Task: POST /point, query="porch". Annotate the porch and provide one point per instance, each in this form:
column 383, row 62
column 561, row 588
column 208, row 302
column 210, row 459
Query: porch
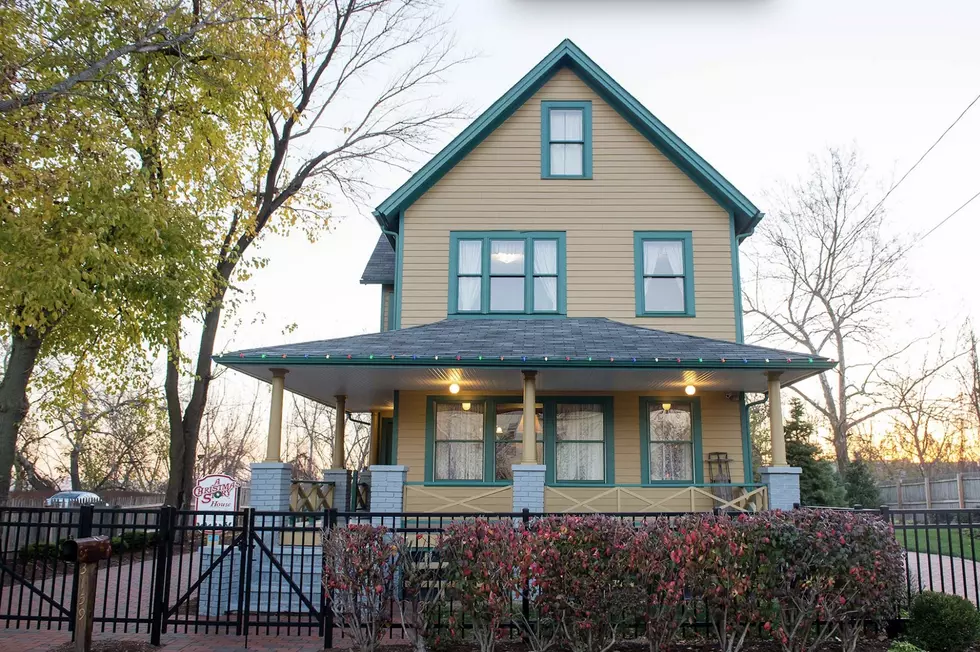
column 562, row 415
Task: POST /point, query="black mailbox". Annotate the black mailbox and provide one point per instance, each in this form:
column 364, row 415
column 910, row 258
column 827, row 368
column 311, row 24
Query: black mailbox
column 87, row 550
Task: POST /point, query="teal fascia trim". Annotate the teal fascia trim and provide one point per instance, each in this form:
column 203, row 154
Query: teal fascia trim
column 568, row 54
column 743, row 411
column 396, row 302
column 521, row 362
column 394, row 429
column 639, row 237
column 485, row 236
column 736, row 282
column 586, row 108
column 698, row 461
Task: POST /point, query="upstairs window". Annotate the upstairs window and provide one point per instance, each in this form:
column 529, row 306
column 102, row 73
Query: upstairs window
column 664, row 267
column 566, row 140
column 507, row 273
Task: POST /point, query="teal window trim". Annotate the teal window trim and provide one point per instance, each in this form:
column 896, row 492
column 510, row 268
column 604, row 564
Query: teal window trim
column 528, row 237
column 686, row 239
column 396, row 307
column 551, row 443
column 646, row 402
column 736, row 281
column 586, row 107
column 746, row 439
column 549, row 404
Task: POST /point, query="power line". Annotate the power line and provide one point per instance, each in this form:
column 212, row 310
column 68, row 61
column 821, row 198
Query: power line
column 947, row 218
column 921, row 158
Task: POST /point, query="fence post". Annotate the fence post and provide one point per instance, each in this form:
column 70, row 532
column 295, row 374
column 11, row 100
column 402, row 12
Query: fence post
column 928, row 488
column 899, row 488
column 961, row 490
column 161, row 562
column 329, row 522
column 86, row 515
column 245, row 573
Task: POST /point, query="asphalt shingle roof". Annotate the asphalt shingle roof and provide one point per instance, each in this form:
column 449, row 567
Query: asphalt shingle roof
column 574, row 338
column 380, row 267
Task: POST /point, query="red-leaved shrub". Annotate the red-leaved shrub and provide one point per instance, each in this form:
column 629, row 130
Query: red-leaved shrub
column 360, row 564
column 660, row 557
column 582, row 576
column 480, row 567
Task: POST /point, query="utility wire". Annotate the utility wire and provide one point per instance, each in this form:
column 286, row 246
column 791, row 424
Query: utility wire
column 947, row 218
column 921, row 158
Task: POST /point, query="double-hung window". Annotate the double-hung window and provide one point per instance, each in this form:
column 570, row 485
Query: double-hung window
column 566, row 140
column 479, row 439
column 671, row 437
column 507, row 273
column 664, row 273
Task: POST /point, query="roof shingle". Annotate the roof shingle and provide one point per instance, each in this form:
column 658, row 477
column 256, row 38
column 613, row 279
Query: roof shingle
column 380, row 268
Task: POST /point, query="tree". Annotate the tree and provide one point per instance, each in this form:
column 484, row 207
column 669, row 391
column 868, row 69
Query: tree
column 107, row 194
column 44, row 63
column 340, row 51
column 310, row 440
column 231, row 436
column 819, row 483
column 825, row 271
column 862, row 488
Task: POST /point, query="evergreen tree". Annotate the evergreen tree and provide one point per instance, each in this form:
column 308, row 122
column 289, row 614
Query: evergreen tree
column 862, row 489
column 819, row 482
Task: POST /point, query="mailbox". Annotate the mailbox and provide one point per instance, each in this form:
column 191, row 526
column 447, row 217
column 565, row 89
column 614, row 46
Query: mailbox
column 87, row 550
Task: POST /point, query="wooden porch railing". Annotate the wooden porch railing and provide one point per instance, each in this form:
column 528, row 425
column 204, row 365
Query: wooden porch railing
column 477, row 500
column 693, row 498
column 310, row 496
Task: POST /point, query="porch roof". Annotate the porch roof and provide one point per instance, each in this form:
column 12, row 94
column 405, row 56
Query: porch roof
column 483, row 354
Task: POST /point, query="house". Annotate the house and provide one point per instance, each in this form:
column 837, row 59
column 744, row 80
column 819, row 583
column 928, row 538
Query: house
column 561, row 321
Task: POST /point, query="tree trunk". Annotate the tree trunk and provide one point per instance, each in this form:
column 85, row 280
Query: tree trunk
column 24, row 349
column 29, row 473
column 185, row 431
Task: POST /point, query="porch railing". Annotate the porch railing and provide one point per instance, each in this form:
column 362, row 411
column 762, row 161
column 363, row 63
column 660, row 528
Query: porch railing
column 626, row 498
column 311, row 496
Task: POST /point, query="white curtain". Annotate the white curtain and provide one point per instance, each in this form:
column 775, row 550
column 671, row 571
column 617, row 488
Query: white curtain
column 545, row 257
column 468, row 288
column 468, row 293
column 470, row 256
column 671, row 443
column 459, row 441
column 546, row 293
column 663, row 258
column 506, row 256
column 579, row 446
column 566, row 159
column 566, row 124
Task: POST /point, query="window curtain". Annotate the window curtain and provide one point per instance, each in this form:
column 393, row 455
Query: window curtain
column 469, row 287
column 459, row 441
column 671, row 443
column 579, row 446
column 663, row 258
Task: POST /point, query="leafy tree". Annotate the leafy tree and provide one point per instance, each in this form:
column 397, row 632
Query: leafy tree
column 819, row 482
column 862, row 488
column 363, row 87
column 109, row 191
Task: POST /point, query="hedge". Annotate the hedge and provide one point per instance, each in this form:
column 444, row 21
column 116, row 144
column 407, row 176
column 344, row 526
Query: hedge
column 802, row 578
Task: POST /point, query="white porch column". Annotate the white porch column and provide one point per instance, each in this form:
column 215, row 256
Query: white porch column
column 338, row 438
column 776, row 422
column 783, row 480
column 529, row 441
column 273, row 443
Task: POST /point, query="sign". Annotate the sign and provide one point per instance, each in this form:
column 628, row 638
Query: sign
column 215, row 493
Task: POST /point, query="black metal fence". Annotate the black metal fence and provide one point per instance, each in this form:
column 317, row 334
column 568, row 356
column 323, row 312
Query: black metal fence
column 249, row 572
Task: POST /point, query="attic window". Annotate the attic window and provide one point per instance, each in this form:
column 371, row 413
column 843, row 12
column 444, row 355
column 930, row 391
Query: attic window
column 566, row 140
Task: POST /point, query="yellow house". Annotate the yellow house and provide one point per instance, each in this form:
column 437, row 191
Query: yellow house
column 561, row 320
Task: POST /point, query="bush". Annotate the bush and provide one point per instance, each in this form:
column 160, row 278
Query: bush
column 481, row 573
column 660, row 557
column 943, row 623
column 359, row 567
column 581, row 573
column 903, row 646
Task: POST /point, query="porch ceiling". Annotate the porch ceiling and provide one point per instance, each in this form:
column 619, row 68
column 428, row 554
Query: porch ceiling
column 372, row 388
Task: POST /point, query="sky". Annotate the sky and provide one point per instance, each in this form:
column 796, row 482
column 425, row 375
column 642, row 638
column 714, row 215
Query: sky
column 754, row 86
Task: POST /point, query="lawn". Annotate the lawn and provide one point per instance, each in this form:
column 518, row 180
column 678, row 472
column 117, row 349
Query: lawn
column 941, row 539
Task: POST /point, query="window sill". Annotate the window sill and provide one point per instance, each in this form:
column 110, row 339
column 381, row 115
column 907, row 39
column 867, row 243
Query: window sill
column 665, row 314
column 567, row 177
column 460, row 483
column 506, row 315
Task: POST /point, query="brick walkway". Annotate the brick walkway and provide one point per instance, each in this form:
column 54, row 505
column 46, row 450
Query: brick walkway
column 18, row 640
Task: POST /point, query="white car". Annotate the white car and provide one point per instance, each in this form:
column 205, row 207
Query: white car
column 73, row 499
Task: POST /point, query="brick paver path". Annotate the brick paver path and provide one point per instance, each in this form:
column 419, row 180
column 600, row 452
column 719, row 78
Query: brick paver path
column 943, row 574
column 12, row 640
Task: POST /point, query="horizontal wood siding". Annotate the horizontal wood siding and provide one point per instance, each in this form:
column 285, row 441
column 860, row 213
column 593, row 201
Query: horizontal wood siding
column 720, row 432
column 498, row 186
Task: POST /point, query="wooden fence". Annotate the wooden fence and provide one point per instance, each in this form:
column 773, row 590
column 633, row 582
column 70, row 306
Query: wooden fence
column 960, row 492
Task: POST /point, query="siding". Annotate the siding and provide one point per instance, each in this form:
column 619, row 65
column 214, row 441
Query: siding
column 498, row 186
column 386, row 294
column 720, row 432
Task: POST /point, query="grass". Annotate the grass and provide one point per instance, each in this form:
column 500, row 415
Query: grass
column 941, row 539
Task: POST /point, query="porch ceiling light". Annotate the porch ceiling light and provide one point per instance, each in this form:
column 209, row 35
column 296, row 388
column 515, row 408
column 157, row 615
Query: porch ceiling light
column 689, row 390
column 454, row 389
column 666, row 407
column 466, row 407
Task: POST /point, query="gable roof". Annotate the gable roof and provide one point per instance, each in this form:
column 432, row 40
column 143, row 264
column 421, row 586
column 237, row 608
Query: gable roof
column 380, row 268
column 567, row 54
